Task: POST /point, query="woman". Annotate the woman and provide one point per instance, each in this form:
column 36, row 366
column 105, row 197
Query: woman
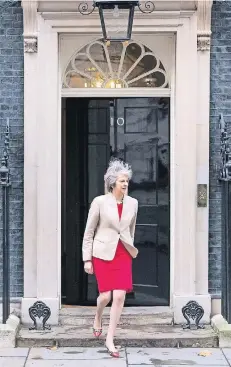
column 108, row 246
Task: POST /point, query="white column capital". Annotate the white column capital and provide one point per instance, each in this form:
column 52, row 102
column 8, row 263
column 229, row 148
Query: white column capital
column 204, row 10
column 30, row 25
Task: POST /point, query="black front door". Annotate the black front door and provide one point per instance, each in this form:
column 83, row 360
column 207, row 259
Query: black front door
column 136, row 130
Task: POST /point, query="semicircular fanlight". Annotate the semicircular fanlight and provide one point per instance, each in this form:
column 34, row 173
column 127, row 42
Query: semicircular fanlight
column 116, row 65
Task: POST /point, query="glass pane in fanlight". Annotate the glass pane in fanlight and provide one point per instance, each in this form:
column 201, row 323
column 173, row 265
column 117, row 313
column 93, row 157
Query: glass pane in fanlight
column 115, row 50
column 116, row 23
column 82, row 63
column 114, row 83
column 74, row 80
column 153, row 80
column 97, row 53
column 146, row 64
column 132, row 53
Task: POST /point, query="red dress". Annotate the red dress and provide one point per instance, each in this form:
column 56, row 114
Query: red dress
column 116, row 273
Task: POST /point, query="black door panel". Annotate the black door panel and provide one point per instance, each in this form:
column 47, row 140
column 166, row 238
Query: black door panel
column 136, row 130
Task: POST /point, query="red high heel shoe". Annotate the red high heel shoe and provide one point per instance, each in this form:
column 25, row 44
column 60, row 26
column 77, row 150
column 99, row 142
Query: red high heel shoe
column 97, row 332
column 113, row 354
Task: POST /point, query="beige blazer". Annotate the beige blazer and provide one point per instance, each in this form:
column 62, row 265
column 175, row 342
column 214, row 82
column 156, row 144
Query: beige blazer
column 104, row 229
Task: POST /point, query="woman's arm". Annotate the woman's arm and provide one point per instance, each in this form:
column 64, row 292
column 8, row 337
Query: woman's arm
column 92, row 222
column 133, row 222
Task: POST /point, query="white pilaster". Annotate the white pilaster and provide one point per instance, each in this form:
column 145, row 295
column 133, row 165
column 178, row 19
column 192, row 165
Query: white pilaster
column 185, row 158
column 203, row 92
column 43, row 139
column 185, row 166
column 192, row 248
column 48, row 164
column 30, row 155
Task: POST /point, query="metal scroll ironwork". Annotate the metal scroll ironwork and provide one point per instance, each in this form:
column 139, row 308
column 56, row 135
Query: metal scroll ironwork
column 147, row 7
column 225, row 179
column 5, row 183
column 83, row 8
column 225, row 168
column 193, row 313
column 40, row 310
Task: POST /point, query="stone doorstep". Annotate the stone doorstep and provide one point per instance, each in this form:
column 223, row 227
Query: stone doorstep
column 9, row 331
column 223, row 330
column 130, row 316
column 125, row 320
column 135, row 311
column 132, row 336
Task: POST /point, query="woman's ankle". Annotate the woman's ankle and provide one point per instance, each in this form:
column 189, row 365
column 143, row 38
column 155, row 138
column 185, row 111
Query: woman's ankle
column 109, row 342
column 98, row 320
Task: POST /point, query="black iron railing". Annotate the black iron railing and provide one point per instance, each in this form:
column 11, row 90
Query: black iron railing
column 225, row 178
column 5, row 185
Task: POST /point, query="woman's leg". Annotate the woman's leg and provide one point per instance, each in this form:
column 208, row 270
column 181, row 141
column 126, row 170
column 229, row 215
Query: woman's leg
column 102, row 301
column 116, row 310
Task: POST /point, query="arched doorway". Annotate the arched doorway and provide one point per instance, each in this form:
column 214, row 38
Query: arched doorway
column 135, row 129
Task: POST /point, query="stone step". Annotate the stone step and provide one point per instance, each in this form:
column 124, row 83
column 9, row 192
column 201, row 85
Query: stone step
column 77, row 316
column 133, row 335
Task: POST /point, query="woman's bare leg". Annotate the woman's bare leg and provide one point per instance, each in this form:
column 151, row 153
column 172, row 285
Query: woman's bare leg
column 102, row 301
column 116, row 310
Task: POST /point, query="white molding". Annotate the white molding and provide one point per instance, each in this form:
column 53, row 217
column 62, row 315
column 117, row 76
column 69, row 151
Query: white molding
column 30, row 25
column 94, row 17
column 204, row 9
column 87, row 25
column 126, row 92
column 160, row 5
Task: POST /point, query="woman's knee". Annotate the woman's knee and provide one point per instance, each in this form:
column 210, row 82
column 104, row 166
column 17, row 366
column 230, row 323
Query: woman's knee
column 119, row 296
column 105, row 297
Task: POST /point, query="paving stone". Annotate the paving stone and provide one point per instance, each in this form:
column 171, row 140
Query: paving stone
column 227, row 353
column 71, row 353
column 14, row 352
column 12, row 361
column 174, row 357
column 72, row 363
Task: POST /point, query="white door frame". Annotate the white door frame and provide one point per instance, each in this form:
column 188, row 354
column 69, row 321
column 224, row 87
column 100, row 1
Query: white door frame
column 137, row 93
column 42, row 181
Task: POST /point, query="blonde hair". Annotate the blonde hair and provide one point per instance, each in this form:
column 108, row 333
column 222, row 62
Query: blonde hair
column 116, row 167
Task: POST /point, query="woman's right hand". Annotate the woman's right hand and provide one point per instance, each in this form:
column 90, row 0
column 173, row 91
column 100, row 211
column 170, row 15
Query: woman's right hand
column 88, row 267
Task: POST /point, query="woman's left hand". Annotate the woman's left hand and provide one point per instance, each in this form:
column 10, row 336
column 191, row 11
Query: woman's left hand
column 88, row 267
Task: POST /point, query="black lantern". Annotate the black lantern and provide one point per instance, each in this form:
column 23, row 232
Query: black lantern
column 122, row 12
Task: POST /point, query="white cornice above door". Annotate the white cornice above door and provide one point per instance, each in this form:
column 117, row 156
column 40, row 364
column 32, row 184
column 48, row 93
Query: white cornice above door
column 71, row 6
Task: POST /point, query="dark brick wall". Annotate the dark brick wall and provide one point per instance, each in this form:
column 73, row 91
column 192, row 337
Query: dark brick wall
column 11, row 105
column 220, row 103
